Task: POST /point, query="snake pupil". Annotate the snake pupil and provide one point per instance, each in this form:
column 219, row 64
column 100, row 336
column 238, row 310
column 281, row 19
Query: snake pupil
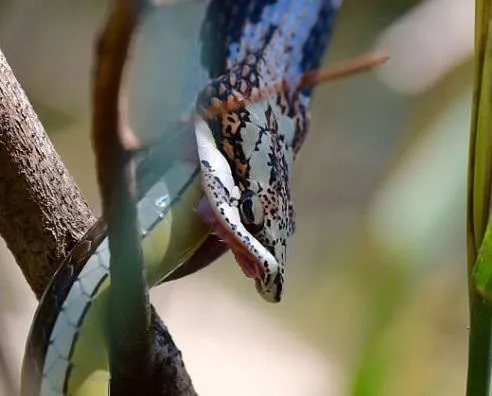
column 251, row 212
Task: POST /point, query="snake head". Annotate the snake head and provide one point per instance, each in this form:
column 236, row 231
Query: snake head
column 246, row 159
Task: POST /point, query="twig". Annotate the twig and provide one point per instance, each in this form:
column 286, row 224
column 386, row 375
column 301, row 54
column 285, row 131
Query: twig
column 131, row 341
column 347, row 68
column 143, row 357
column 363, row 63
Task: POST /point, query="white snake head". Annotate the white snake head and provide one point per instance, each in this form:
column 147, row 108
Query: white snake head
column 246, row 159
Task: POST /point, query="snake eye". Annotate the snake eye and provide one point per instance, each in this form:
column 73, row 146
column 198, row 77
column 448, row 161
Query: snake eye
column 251, row 211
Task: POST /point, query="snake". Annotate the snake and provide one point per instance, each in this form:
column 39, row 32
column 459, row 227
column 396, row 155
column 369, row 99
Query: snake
column 219, row 182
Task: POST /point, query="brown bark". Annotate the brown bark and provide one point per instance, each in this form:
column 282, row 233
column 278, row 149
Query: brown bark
column 43, row 215
column 42, row 211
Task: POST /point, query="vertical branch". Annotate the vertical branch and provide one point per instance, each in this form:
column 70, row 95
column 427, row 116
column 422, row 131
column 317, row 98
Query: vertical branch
column 143, row 356
column 131, row 343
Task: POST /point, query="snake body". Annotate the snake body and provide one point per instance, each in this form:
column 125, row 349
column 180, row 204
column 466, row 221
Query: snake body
column 247, row 155
column 235, row 194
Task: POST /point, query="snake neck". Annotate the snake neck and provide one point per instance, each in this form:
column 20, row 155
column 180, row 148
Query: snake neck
column 257, row 140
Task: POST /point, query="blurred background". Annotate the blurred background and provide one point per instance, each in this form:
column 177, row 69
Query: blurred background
column 376, row 299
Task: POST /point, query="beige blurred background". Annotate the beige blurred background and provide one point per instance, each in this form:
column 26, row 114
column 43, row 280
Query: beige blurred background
column 375, row 301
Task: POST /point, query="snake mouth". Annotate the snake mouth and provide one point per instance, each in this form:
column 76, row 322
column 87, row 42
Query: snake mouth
column 219, row 209
column 255, row 263
column 247, row 261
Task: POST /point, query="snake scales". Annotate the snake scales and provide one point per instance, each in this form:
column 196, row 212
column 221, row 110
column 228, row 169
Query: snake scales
column 235, row 195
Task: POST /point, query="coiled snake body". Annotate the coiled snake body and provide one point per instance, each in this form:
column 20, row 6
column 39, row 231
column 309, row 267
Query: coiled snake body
column 236, row 194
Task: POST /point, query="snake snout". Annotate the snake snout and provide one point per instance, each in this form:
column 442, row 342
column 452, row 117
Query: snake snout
column 271, row 290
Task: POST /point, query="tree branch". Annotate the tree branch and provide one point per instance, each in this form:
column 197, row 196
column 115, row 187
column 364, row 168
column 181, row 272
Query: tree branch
column 130, row 334
column 43, row 215
column 42, row 211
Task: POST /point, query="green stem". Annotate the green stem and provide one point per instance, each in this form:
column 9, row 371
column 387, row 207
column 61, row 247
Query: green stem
column 479, row 351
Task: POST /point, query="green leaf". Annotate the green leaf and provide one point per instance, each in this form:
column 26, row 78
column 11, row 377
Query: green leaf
column 483, row 267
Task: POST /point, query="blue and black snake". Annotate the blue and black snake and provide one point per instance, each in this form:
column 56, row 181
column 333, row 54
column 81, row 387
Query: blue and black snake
column 233, row 192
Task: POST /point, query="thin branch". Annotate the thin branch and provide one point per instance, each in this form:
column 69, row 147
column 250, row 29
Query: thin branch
column 347, row 68
column 131, row 341
column 139, row 350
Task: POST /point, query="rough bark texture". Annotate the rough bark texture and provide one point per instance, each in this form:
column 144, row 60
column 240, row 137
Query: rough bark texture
column 43, row 215
column 42, row 212
column 169, row 376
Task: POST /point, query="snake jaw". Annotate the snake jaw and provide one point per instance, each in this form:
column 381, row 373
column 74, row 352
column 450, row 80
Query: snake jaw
column 248, row 264
column 220, row 211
